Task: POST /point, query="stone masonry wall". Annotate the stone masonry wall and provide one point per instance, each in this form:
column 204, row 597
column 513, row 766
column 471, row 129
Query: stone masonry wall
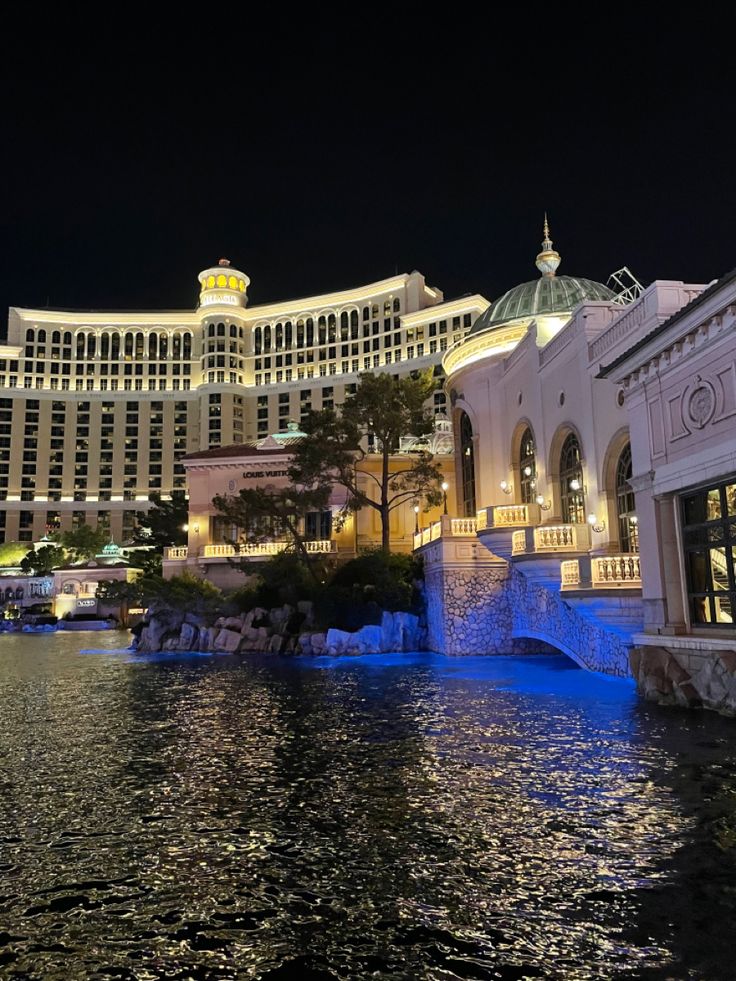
column 490, row 609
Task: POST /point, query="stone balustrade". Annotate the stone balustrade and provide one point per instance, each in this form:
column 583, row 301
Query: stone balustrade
column 509, row 516
column 518, row 543
column 177, row 553
column 570, row 573
column 446, row 527
column 562, row 538
column 257, row 549
column 616, row 570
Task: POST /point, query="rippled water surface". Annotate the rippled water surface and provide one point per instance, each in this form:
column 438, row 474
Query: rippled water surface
column 385, row 817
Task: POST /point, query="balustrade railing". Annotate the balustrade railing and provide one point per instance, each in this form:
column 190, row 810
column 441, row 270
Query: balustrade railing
column 249, row 549
column 511, row 514
column 447, row 527
column 616, row 570
column 570, row 573
column 177, row 552
column 463, row 527
column 562, row 538
column 518, row 542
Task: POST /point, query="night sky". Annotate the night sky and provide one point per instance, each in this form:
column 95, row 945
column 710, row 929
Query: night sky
column 321, row 157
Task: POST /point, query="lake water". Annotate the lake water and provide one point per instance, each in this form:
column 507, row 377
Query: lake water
column 407, row 816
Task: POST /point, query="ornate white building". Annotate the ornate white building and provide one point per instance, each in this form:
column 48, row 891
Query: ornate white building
column 585, row 428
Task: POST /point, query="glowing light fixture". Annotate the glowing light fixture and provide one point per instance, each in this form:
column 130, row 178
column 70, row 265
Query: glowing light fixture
column 445, row 488
column 544, row 505
column 575, row 484
column 593, row 522
column 506, row 487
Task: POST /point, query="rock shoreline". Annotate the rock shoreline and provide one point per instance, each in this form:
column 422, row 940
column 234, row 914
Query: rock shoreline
column 281, row 630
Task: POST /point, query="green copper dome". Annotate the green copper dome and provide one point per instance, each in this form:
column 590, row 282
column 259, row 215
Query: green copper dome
column 552, row 294
column 548, row 295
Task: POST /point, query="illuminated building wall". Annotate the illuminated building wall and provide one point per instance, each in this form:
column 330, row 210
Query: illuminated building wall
column 98, row 409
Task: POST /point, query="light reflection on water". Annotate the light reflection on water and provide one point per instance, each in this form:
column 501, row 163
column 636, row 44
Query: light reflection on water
column 378, row 817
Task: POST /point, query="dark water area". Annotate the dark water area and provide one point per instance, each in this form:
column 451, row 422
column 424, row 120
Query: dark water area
column 406, row 816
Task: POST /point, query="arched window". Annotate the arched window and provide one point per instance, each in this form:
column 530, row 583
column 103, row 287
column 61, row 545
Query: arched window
column 310, row 332
column 19, row 593
column 187, row 345
column 56, row 337
column 163, row 347
column 139, row 348
column 41, row 339
column 128, row 345
column 287, row 334
column 91, row 345
column 29, row 336
column 176, row 347
column 628, row 528
column 397, row 305
column 8, row 594
column 467, row 464
column 527, row 467
column 267, row 337
column 257, row 340
column 67, row 337
column 322, row 329
column 105, row 345
column 153, row 347
column 279, row 335
column 80, row 346
column 571, row 482
column 353, row 318
column 115, row 346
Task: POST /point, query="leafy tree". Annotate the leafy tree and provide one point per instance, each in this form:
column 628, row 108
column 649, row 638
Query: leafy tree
column 335, row 451
column 264, row 511
column 12, row 553
column 42, row 561
column 163, row 525
column 117, row 592
column 84, row 542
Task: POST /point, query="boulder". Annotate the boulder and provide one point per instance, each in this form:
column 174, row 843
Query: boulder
column 233, row 623
column 161, row 624
column 227, row 640
column 188, row 637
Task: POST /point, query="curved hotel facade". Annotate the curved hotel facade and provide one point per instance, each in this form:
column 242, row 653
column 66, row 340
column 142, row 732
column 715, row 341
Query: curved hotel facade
column 97, row 410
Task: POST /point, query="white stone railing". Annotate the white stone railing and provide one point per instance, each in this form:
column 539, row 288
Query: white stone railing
column 248, row 549
column 512, row 514
column 518, row 543
column 463, row 527
column 177, row 552
column 481, row 519
column 447, row 527
column 624, row 325
column 570, row 573
column 562, row 538
column 616, row 570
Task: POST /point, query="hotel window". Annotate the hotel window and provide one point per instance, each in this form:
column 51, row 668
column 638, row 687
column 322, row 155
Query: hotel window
column 571, row 482
column 628, row 527
column 709, row 539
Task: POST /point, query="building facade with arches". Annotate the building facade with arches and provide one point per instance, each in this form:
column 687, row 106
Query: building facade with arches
column 557, row 457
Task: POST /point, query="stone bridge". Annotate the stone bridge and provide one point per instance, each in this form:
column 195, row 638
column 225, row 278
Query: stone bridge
column 480, row 603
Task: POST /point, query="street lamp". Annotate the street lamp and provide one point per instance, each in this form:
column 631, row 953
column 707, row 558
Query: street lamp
column 416, row 519
column 445, row 488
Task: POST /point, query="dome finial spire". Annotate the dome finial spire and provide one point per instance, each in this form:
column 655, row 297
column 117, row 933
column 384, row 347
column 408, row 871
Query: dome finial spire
column 548, row 259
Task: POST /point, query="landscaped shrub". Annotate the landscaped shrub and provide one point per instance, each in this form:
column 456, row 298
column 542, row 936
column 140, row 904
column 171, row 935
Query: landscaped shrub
column 362, row 589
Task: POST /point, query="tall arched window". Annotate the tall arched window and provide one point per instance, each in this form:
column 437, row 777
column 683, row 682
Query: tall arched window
column 628, row 528
column 571, row 482
column 467, row 464
column 153, row 347
column 187, row 347
column 105, row 345
column 115, row 347
column 527, row 467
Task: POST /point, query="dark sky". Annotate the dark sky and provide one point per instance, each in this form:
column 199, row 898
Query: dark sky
column 320, row 157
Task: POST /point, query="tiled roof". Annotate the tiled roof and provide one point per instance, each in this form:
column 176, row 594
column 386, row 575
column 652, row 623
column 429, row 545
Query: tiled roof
column 235, row 450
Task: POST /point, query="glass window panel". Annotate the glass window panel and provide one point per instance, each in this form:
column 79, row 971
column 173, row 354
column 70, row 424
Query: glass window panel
column 714, row 504
column 731, row 498
column 724, row 607
column 699, row 569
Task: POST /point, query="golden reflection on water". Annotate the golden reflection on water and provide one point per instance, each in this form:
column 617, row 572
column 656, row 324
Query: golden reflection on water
column 222, row 818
